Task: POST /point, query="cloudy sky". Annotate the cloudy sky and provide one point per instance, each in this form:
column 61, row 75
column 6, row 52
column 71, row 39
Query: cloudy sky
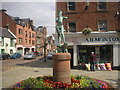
column 42, row 13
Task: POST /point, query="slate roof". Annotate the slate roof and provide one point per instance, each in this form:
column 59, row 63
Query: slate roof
column 5, row 33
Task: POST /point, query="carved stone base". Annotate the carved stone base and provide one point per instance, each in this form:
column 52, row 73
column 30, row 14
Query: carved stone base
column 61, row 67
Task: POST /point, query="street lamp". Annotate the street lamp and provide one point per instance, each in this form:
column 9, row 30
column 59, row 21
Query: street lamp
column 45, row 44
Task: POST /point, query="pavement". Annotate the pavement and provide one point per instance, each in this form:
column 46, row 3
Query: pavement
column 40, row 68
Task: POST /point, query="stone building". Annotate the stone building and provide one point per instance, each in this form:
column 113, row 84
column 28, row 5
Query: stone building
column 41, row 34
column 104, row 39
column 23, row 29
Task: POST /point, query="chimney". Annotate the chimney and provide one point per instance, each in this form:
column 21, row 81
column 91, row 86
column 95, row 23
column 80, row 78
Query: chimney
column 4, row 10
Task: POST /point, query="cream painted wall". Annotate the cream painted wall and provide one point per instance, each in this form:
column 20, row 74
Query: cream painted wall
column 7, row 48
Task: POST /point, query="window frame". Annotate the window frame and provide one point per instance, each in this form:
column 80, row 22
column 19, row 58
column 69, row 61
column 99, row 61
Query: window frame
column 19, row 31
column 71, row 6
column 99, row 6
column 69, row 26
column 2, row 41
column 99, row 25
column 19, row 40
column 11, row 42
column 25, row 33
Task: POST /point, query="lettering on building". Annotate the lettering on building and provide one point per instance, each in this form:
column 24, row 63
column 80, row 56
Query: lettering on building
column 99, row 39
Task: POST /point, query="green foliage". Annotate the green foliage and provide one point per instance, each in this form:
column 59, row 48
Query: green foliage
column 32, row 83
column 86, row 31
column 46, row 82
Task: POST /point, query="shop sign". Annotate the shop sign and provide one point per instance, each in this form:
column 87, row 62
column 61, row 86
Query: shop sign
column 102, row 39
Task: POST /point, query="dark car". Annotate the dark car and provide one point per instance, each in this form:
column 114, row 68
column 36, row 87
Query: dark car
column 37, row 53
column 40, row 54
column 15, row 55
column 4, row 56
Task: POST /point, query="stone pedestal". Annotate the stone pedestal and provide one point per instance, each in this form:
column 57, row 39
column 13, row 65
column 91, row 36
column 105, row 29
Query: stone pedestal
column 61, row 67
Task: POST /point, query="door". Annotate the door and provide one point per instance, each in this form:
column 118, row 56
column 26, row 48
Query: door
column 70, row 50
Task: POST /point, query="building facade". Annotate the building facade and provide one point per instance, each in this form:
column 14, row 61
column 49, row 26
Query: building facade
column 7, row 41
column 104, row 40
column 23, row 29
column 41, row 38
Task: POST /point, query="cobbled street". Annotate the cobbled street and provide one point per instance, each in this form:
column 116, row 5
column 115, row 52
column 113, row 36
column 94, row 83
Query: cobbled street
column 18, row 70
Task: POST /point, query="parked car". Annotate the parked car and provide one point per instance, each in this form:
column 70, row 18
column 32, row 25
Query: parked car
column 40, row 54
column 49, row 55
column 29, row 56
column 4, row 56
column 15, row 55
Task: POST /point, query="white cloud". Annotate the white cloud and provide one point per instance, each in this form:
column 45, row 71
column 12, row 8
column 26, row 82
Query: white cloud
column 42, row 13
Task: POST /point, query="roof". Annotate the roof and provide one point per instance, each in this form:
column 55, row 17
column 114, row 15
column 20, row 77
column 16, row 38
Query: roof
column 5, row 33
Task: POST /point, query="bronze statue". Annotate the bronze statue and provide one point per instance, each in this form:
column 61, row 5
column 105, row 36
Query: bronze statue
column 60, row 32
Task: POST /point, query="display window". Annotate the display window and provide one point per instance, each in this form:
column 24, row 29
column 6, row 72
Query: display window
column 104, row 53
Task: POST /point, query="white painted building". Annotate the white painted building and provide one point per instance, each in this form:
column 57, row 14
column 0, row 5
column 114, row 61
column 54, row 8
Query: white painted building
column 7, row 41
column 106, row 46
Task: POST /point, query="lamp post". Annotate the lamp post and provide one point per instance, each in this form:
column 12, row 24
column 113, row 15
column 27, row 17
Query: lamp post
column 45, row 51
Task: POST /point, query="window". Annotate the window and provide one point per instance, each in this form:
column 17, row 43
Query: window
column 2, row 50
column 20, row 31
column 11, row 42
column 72, row 27
column 33, row 35
column 20, row 40
column 102, row 5
column 29, row 34
column 32, row 42
column 71, row 5
column 29, row 41
column 25, row 33
column 2, row 41
column 11, row 51
column 102, row 25
column 25, row 40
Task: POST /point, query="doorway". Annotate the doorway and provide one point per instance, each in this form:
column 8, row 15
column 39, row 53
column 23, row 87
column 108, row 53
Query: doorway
column 70, row 50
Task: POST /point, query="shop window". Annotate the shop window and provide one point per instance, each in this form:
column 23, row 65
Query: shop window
column 102, row 25
column 106, row 54
column 102, row 5
column 72, row 27
column 71, row 6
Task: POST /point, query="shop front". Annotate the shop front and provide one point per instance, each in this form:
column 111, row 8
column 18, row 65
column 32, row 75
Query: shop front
column 106, row 46
column 104, row 53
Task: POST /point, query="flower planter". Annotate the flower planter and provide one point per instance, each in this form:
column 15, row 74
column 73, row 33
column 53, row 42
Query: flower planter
column 47, row 82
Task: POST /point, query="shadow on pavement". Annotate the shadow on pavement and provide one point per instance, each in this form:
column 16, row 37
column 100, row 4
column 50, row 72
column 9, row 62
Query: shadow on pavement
column 117, row 81
column 38, row 63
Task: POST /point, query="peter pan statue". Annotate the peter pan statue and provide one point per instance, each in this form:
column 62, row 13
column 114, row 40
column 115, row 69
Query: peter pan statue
column 61, row 48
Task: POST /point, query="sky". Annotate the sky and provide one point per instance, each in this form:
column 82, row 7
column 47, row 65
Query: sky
column 42, row 13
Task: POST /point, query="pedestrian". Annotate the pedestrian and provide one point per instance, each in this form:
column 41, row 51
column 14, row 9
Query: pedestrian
column 92, row 61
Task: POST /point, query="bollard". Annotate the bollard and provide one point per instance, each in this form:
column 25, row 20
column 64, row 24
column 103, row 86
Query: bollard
column 61, row 67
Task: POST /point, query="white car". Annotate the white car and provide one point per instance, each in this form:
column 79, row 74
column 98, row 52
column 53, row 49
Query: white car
column 29, row 56
column 49, row 55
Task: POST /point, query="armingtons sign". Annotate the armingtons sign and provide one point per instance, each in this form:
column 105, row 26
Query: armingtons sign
column 103, row 39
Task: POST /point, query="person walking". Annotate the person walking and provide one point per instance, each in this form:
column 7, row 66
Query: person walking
column 92, row 61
